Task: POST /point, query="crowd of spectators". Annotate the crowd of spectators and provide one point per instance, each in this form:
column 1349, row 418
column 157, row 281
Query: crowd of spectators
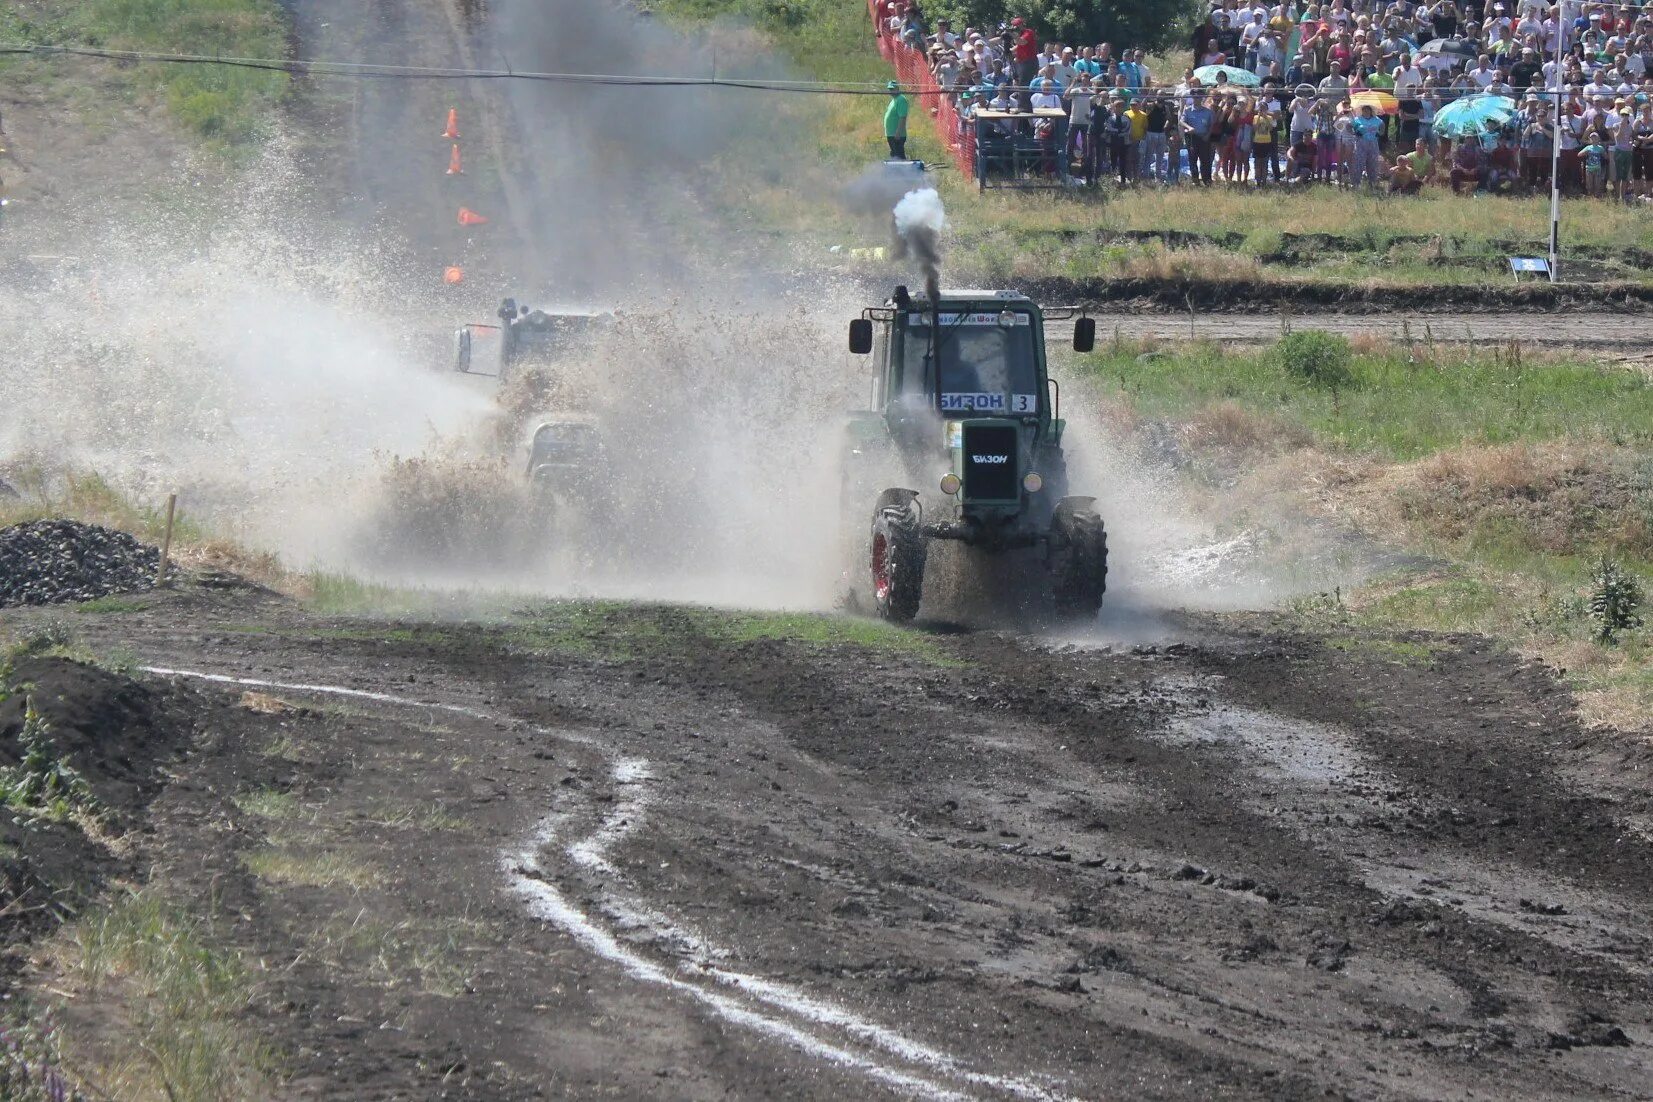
column 1343, row 93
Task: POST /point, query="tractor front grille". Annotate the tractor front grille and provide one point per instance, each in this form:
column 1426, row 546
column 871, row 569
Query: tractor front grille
column 990, row 465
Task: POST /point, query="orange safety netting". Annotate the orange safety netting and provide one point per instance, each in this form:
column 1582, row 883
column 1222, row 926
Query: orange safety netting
column 913, row 71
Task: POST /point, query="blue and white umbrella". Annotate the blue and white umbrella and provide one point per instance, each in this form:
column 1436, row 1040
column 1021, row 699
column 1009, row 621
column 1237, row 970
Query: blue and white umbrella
column 1474, row 115
column 1245, row 78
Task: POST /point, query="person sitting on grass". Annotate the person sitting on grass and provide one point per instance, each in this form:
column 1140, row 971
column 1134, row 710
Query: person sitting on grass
column 1466, row 165
column 1303, row 159
column 1503, row 166
column 1412, row 170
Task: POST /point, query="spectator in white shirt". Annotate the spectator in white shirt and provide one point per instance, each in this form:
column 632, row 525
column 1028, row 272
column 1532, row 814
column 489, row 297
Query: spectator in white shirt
column 1406, row 76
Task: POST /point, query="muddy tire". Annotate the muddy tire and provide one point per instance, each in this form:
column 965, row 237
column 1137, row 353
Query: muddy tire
column 897, row 555
column 542, row 510
column 1078, row 561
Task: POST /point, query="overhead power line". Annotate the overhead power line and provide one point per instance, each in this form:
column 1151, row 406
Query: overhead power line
column 368, row 70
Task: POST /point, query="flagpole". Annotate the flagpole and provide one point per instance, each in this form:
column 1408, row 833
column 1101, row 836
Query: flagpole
column 1555, row 141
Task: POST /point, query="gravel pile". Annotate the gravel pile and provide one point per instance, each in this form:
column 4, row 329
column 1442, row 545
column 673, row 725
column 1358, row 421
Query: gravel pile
column 49, row 561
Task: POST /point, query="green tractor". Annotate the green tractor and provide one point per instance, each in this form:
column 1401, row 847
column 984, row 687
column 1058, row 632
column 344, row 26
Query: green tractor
column 963, row 406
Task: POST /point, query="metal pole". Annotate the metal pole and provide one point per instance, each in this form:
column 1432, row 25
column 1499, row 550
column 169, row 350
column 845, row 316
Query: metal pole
column 1555, row 142
column 166, row 543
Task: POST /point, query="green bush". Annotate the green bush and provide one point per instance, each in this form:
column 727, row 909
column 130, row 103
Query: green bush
column 1615, row 597
column 43, row 783
column 1318, row 358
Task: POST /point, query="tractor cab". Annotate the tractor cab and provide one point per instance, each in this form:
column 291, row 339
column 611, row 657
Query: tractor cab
column 966, row 375
column 524, row 336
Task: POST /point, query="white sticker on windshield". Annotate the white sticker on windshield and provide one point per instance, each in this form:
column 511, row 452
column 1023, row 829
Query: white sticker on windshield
column 923, row 320
column 986, row 403
column 1024, row 403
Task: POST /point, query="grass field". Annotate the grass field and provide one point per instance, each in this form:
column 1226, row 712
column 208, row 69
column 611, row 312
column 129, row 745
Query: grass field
column 1508, row 477
column 1399, row 403
column 227, row 108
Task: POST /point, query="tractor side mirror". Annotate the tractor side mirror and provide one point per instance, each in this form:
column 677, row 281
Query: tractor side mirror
column 860, row 336
column 1084, row 334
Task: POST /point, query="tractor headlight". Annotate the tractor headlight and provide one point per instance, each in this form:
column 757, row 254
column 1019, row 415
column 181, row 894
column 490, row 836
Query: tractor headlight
column 949, row 484
column 1032, row 483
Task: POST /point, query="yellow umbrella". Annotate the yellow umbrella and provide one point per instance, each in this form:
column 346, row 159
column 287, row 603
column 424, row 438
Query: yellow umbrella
column 1381, row 102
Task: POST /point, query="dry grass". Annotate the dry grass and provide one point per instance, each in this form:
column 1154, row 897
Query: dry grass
column 159, row 1008
column 1240, row 433
column 1562, row 497
column 1520, row 525
column 284, row 864
column 1341, row 214
column 264, row 704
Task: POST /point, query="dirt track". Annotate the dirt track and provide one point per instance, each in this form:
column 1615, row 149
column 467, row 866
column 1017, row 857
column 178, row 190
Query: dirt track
column 647, row 861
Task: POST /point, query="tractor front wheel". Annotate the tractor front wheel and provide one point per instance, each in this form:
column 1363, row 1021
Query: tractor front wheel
column 898, row 554
column 1078, row 561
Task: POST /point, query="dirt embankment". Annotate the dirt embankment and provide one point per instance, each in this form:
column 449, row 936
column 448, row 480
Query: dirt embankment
column 118, row 737
column 643, row 852
column 1269, row 296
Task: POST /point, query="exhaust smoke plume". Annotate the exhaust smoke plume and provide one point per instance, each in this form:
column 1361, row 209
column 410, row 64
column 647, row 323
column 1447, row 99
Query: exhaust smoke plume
column 920, row 221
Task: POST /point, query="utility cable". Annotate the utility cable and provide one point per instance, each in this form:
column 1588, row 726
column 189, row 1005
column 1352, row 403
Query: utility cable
column 369, row 70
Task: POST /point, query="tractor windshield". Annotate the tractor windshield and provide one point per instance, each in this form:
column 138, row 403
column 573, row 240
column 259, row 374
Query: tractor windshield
column 988, row 363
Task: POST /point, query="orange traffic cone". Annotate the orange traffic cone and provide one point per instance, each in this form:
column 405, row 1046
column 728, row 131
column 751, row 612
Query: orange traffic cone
column 455, row 168
column 469, row 217
column 453, row 275
column 452, row 132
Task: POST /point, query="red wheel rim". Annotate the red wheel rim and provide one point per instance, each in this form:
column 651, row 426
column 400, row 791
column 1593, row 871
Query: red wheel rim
column 880, row 568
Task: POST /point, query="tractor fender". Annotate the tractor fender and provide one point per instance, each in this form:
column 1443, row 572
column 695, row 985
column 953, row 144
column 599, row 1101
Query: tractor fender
column 898, row 500
column 1076, row 504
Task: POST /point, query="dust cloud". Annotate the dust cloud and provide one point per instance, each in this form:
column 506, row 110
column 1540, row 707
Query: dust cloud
column 290, row 376
column 219, row 348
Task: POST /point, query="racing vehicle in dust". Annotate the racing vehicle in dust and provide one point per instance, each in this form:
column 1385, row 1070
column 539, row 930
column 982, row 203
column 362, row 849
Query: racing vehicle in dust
column 567, row 473
column 964, row 408
column 523, row 336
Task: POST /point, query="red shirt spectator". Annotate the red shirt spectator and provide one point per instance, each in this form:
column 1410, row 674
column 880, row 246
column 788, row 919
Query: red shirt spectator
column 1027, row 47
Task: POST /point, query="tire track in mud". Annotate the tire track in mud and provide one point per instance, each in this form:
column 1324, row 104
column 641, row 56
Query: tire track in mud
column 777, row 1011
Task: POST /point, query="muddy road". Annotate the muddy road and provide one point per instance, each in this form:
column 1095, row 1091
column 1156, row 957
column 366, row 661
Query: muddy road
column 634, row 852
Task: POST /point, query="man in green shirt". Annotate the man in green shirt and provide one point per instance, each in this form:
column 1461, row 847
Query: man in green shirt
column 895, row 123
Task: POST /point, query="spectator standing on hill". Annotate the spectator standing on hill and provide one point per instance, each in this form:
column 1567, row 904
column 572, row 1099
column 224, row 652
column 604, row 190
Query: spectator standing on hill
column 1594, row 157
column 1366, row 128
column 1537, row 144
column 1642, row 154
column 1025, row 55
column 1195, row 126
column 1304, row 109
column 1117, row 129
column 1155, row 146
column 1264, row 149
column 895, row 122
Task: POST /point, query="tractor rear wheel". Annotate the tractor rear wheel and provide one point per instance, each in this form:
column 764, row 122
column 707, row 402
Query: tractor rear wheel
column 1078, row 562
column 898, row 555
